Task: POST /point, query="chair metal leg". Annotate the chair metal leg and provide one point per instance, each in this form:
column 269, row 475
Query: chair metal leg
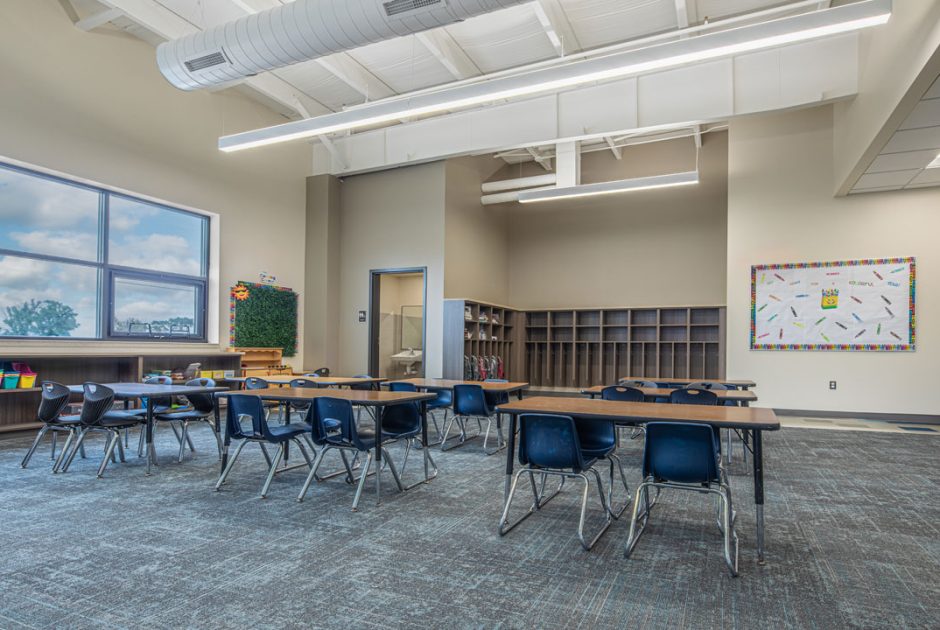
column 392, row 469
column 228, row 467
column 313, row 472
column 447, row 427
column 64, row 452
column 608, row 515
column 362, row 480
column 120, row 447
column 54, row 436
column 623, row 479
column 140, row 441
column 634, row 536
column 32, row 448
column 271, row 472
column 218, row 438
column 109, row 452
column 79, row 445
column 264, row 451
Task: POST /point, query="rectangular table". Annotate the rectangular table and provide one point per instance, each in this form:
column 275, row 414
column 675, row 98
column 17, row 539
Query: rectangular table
column 755, row 420
column 137, row 391
column 433, row 384
column 323, row 381
column 742, row 396
column 365, row 398
column 682, row 382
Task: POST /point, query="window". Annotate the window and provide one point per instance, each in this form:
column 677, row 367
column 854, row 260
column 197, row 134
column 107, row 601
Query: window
column 83, row 262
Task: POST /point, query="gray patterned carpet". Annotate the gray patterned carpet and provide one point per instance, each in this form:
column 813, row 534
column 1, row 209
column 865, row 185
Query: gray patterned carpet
column 853, row 542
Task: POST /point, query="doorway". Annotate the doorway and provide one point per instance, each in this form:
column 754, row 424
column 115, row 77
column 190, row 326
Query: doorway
column 397, row 318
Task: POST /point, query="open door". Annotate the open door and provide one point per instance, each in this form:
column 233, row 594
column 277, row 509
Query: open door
column 397, row 322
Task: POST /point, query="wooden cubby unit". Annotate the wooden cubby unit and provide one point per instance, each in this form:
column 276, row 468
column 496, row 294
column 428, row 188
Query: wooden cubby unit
column 473, row 328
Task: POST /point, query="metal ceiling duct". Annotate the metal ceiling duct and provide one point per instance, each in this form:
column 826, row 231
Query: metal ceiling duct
column 303, row 30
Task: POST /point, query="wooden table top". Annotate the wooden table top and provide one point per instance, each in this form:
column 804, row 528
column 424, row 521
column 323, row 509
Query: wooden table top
column 719, row 416
column 369, row 397
column 686, row 381
column 325, row 381
column 737, row 395
column 442, row 383
column 139, row 390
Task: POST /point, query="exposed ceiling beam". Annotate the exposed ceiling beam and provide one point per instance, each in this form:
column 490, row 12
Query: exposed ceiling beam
column 697, row 134
column 544, row 162
column 449, row 53
column 334, row 152
column 101, row 18
column 682, row 14
column 557, row 27
column 613, row 147
column 166, row 24
column 69, row 9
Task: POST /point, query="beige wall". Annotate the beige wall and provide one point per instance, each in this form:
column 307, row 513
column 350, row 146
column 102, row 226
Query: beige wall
column 322, row 271
column 781, row 209
column 649, row 248
column 391, row 219
column 892, row 57
column 93, row 105
column 476, row 241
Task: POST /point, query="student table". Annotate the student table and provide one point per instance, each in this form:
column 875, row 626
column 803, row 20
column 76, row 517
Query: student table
column 433, row 384
column 365, row 398
column 749, row 419
column 682, row 382
column 137, row 391
column 322, row 381
column 741, row 396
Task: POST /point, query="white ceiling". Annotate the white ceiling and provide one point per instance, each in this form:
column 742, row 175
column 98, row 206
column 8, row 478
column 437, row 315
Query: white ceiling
column 496, row 41
column 902, row 162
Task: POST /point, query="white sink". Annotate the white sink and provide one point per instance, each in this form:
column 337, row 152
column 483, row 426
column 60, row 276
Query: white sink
column 407, row 359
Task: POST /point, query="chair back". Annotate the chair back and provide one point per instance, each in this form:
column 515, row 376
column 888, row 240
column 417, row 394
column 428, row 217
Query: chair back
column 494, row 399
column 202, row 402
column 693, row 397
column 243, row 406
column 253, row 382
column 682, row 452
column 98, row 400
column 402, row 418
column 55, row 398
column 321, row 372
column 362, row 386
column 549, row 441
column 158, row 401
column 469, row 400
column 402, row 387
column 707, row 385
column 445, row 398
column 629, row 382
column 159, row 379
column 622, row 394
column 304, row 382
column 338, row 410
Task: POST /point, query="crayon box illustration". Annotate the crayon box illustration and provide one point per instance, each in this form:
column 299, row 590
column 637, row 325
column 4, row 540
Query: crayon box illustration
column 830, row 299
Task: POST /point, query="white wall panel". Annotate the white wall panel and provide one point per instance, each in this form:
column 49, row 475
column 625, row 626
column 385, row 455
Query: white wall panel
column 588, row 110
column 699, row 92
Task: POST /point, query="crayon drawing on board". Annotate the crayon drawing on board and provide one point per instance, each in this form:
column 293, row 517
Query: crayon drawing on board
column 845, row 305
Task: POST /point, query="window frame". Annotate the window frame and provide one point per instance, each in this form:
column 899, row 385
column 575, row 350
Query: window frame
column 108, row 273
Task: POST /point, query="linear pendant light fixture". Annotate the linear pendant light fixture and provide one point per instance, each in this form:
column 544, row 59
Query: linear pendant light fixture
column 610, row 188
column 817, row 24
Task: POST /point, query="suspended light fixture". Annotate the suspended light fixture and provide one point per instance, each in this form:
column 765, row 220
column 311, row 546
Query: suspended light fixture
column 610, row 188
column 808, row 26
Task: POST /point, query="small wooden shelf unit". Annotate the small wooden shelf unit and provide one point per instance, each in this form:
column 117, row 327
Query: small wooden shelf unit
column 575, row 348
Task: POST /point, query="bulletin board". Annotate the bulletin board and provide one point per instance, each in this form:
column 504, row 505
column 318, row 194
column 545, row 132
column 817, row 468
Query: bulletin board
column 865, row 305
column 263, row 316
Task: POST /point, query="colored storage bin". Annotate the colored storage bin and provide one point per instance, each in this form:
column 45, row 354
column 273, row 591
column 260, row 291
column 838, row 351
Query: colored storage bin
column 27, row 381
column 11, row 380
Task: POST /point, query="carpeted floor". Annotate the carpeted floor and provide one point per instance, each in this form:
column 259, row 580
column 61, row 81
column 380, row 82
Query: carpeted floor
column 853, row 541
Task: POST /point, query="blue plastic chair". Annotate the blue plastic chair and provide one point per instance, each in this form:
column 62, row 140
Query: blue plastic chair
column 712, row 386
column 54, row 400
column 627, row 382
column 326, row 412
column 201, row 409
column 622, row 393
column 684, row 456
column 690, row 396
column 470, row 402
column 244, row 408
column 549, row 445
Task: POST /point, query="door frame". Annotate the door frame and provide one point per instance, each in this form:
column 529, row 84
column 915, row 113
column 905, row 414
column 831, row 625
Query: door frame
column 375, row 297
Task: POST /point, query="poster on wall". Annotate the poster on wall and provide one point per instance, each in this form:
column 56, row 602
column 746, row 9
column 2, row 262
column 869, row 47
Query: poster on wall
column 865, row 305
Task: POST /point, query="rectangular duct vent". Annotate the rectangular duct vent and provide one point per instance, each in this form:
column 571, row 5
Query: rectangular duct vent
column 398, row 7
column 206, row 61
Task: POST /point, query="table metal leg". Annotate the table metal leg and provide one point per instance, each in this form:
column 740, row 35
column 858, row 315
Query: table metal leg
column 218, row 429
column 759, row 491
column 424, row 439
column 151, row 451
column 378, row 455
column 510, row 450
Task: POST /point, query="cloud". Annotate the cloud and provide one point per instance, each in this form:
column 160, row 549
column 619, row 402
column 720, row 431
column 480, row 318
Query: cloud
column 24, row 279
column 65, row 244
column 158, row 252
column 27, row 201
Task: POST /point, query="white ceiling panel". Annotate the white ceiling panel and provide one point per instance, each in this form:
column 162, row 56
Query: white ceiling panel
column 914, row 140
column 204, row 13
column 925, row 114
column 713, row 9
column 404, row 64
column 314, row 80
column 503, row 39
column 901, row 161
column 881, row 180
column 602, row 22
column 934, row 91
column 928, row 177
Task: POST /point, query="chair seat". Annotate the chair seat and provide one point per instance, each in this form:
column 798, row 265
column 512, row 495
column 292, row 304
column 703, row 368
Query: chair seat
column 286, row 432
column 119, row 419
column 589, row 462
column 597, row 451
column 70, row 420
column 366, row 436
column 434, row 404
column 177, row 416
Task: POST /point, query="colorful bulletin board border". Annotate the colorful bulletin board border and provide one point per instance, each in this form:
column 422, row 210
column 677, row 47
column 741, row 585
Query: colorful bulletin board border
column 886, row 347
column 238, row 293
